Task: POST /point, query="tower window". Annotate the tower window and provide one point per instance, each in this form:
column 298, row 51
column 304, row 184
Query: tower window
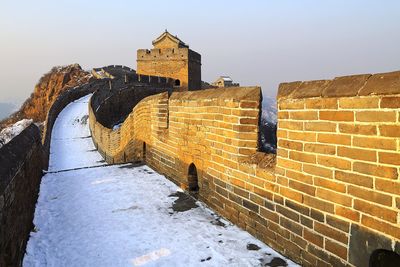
column 177, row 82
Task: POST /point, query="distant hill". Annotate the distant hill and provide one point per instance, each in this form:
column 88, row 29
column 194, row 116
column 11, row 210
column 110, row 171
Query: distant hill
column 6, row 109
column 46, row 91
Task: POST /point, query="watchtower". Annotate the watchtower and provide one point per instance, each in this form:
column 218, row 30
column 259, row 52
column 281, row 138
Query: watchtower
column 172, row 58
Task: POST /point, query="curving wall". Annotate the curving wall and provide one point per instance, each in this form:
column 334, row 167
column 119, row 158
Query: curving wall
column 61, row 102
column 331, row 199
column 21, row 163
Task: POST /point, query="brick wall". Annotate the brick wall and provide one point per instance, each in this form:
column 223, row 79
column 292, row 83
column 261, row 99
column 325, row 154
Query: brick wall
column 20, row 175
column 339, row 156
column 331, row 199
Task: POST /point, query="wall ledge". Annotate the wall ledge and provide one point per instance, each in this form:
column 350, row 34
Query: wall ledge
column 345, row 86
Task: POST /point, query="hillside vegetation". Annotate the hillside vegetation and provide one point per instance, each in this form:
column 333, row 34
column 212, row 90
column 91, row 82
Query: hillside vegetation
column 46, row 91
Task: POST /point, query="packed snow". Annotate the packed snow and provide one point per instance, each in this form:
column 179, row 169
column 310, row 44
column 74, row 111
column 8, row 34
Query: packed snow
column 89, row 214
column 7, row 134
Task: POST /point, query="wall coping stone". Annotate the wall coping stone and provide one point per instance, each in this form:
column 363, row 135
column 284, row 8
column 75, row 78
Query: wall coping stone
column 345, row 86
column 239, row 93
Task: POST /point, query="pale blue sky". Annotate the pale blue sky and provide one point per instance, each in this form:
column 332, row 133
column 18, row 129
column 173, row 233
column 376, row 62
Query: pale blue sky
column 255, row 42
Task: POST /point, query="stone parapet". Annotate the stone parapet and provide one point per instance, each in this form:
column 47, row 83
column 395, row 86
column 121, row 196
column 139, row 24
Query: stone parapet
column 330, row 194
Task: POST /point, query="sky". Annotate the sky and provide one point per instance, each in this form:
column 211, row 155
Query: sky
column 255, row 42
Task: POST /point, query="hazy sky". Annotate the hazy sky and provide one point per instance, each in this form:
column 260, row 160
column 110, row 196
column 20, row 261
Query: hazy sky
column 255, row 42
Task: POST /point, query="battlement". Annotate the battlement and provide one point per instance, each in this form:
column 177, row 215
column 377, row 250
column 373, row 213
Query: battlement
column 332, row 196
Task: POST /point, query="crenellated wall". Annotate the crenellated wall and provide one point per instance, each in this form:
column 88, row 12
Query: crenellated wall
column 331, row 198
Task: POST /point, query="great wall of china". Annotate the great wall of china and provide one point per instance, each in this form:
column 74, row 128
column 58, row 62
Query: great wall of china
column 329, row 197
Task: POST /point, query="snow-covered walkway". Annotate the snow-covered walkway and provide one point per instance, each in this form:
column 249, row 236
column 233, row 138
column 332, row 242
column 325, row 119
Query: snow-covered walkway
column 122, row 215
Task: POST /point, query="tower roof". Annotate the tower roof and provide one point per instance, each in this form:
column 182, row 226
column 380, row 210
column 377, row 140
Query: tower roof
column 167, row 36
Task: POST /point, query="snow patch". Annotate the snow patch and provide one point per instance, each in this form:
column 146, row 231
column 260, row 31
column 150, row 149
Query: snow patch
column 118, row 216
column 7, row 134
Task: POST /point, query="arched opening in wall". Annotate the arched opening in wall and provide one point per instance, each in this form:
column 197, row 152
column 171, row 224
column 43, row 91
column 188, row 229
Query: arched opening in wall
column 384, row 258
column 144, row 152
column 193, row 181
column 177, row 82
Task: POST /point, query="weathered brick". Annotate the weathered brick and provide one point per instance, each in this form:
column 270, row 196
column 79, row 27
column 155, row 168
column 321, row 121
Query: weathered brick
column 305, row 188
column 303, row 136
column 317, row 215
column 375, row 170
column 307, row 222
column 374, row 142
column 299, row 176
column 291, row 194
column 291, row 104
column 330, row 184
column 381, row 226
column 334, row 197
column 334, row 162
column 290, row 125
column 250, row 121
column 320, row 126
column 221, row 191
column 262, row 192
column 314, row 238
column 249, row 104
column 376, row 116
column 321, row 103
column 336, row 115
column 294, row 145
column 303, row 115
column 297, row 207
column 339, row 139
column 283, row 115
column 328, row 231
column 289, row 164
column 389, row 130
column 359, row 103
column 388, row 186
column 250, row 205
column 389, row 158
column 356, row 153
column 318, row 171
column 347, row 213
column 303, row 157
column 282, row 134
column 292, row 226
column 390, row 102
column 336, row 249
column 318, row 204
column 370, row 195
column 357, row 129
column 338, row 223
column 352, row 178
column 241, row 192
column 288, row 213
column 320, row 149
column 269, row 215
column 375, row 210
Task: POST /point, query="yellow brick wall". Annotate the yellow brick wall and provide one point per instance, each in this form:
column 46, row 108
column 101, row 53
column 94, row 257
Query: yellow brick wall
column 337, row 163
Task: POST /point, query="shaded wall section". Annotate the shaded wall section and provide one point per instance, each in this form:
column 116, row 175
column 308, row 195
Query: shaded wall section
column 20, row 175
column 333, row 191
